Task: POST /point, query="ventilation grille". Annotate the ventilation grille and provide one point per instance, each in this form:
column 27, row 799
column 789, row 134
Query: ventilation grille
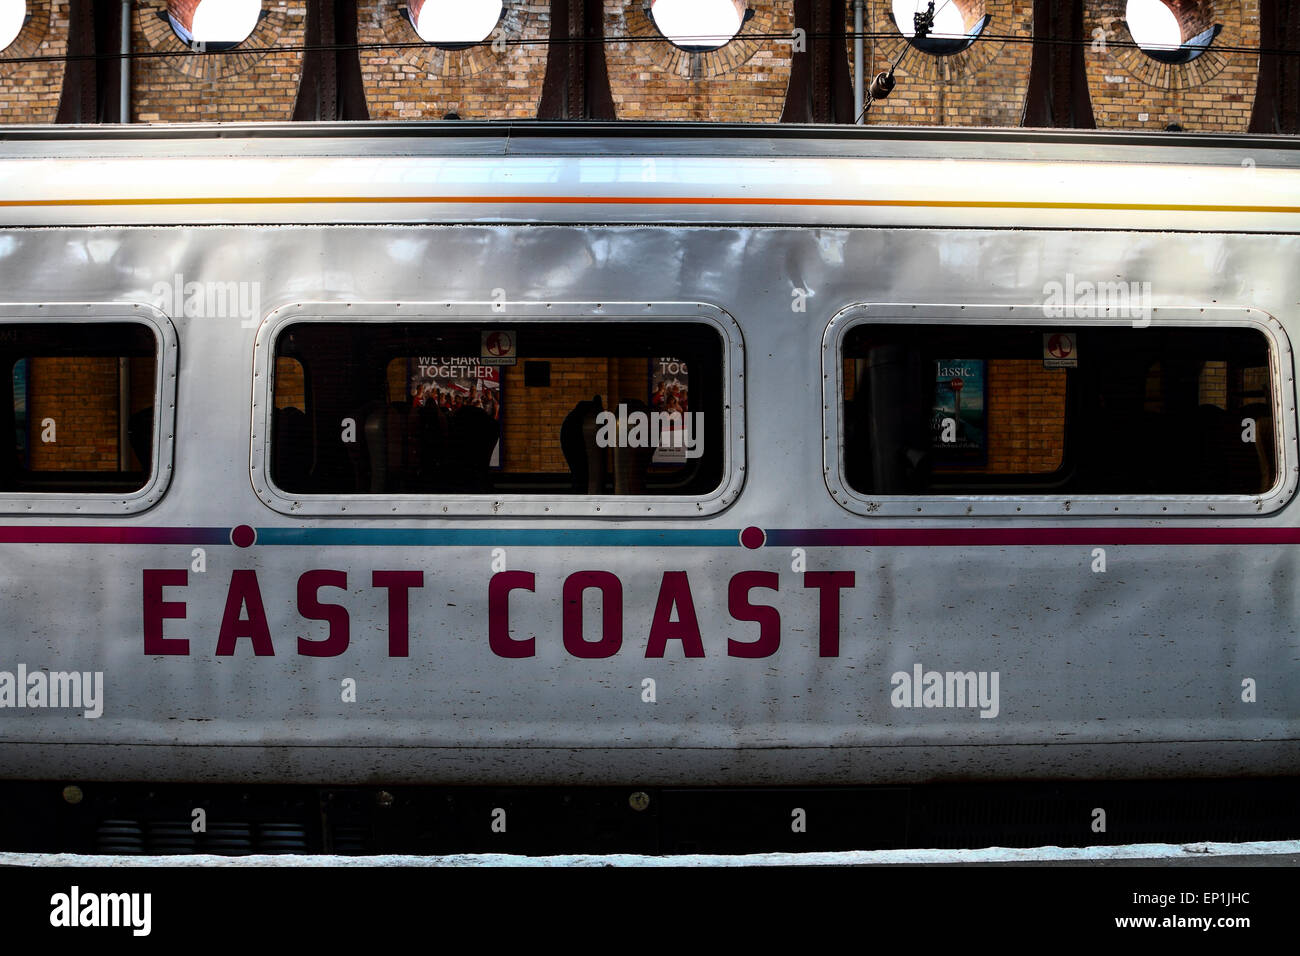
column 173, row 837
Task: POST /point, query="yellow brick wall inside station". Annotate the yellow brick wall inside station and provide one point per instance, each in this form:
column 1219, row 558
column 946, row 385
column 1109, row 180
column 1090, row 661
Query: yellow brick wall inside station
column 79, row 395
column 290, row 384
column 532, row 416
column 1025, row 417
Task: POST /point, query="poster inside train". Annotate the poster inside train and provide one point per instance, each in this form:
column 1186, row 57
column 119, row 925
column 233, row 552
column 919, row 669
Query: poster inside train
column 670, row 392
column 958, row 423
column 453, row 383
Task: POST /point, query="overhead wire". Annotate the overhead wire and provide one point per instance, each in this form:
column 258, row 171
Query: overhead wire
column 847, row 36
column 921, row 23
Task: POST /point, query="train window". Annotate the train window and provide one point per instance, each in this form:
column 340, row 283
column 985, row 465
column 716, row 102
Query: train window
column 82, row 410
column 438, row 410
column 1025, row 411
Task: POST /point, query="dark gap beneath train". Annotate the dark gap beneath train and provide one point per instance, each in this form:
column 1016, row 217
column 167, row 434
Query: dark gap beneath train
column 161, row 819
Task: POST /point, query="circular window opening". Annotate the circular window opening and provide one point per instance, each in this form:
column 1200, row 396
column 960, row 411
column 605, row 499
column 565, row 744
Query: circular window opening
column 454, row 24
column 13, row 17
column 699, row 25
column 1169, row 36
column 957, row 24
column 213, row 25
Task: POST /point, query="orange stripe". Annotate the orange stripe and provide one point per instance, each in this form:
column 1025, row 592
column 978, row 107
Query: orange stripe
column 644, row 201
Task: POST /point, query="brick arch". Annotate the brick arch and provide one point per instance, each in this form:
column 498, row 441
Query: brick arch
column 983, row 85
column 405, row 78
column 30, row 92
column 745, row 80
column 1131, row 90
column 250, row 81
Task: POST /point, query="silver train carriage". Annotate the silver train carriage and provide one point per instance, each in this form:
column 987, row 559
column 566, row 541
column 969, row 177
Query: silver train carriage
column 497, row 463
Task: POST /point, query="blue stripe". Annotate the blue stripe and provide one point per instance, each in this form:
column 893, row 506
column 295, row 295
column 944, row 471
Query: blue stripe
column 500, row 537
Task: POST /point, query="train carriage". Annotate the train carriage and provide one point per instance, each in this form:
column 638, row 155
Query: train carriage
column 461, row 475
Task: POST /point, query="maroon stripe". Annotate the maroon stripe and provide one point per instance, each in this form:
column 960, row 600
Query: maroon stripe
column 993, row 537
column 80, row 534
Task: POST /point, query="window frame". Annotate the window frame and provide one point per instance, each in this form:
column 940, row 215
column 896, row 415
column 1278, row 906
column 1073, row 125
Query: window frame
column 498, row 505
column 971, row 505
column 164, row 420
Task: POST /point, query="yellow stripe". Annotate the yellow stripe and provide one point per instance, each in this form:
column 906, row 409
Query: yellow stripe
column 643, row 200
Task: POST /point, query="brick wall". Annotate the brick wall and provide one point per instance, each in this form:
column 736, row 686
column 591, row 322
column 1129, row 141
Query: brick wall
column 29, row 92
column 1131, row 90
column 983, row 85
column 532, row 416
column 81, row 396
column 1026, row 417
column 290, row 386
column 744, row 81
column 246, row 83
column 423, row 81
column 1212, row 389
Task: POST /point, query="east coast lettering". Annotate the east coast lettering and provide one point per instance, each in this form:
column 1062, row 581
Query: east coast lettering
column 672, row 627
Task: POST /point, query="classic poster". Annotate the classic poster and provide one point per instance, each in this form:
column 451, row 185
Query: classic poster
column 958, row 433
